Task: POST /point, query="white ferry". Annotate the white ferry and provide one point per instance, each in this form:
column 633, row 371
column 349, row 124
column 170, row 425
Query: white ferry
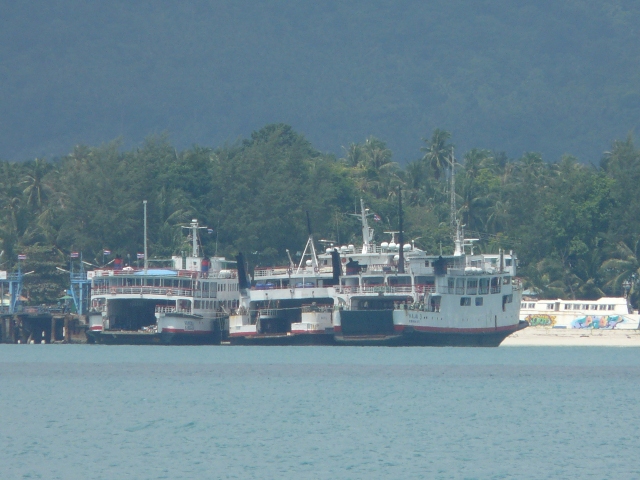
column 187, row 303
column 474, row 300
column 398, row 295
column 288, row 305
column 607, row 313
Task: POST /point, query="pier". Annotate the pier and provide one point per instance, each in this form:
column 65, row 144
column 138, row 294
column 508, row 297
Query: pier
column 42, row 325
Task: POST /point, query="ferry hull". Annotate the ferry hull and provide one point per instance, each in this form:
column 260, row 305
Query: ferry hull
column 303, row 339
column 142, row 338
column 377, row 328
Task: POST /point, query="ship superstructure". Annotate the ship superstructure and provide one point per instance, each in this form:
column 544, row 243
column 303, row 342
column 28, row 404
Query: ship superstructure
column 187, row 302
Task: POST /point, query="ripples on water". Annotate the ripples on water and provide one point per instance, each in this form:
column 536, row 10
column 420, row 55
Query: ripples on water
column 94, row 412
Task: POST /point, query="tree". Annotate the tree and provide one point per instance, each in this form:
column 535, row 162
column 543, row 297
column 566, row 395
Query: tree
column 437, row 153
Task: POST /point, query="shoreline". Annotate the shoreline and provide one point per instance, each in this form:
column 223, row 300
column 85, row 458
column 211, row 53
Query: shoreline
column 556, row 337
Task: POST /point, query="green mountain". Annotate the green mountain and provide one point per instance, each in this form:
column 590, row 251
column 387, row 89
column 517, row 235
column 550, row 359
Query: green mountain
column 546, row 76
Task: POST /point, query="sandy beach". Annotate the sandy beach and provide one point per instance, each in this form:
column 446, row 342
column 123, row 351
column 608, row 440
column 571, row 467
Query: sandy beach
column 552, row 337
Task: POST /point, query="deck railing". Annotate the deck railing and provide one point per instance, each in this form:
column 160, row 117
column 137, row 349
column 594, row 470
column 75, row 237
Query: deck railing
column 139, row 290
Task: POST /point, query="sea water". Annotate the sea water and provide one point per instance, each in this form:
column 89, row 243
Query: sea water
column 102, row 412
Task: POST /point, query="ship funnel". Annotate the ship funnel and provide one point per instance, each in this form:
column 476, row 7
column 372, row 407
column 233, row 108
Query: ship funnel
column 243, row 282
column 335, row 264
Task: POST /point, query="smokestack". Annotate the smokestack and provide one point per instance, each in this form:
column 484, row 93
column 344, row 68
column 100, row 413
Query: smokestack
column 337, row 267
column 242, row 274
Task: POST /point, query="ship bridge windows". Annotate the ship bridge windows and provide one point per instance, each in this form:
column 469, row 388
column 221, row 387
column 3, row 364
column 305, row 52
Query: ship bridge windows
column 399, row 281
column 451, row 282
column 472, row 286
column 459, row 286
column 603, row 307
column 506, row 280
column 372, row 281
column 495, row 285
column 484, row 286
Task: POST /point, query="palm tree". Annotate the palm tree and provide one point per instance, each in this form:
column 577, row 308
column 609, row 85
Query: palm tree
column 626, row 267
column 438, row 152
column 36, row 188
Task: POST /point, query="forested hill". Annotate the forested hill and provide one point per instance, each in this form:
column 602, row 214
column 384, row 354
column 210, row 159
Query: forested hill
column 575, row 227
column 548, row 76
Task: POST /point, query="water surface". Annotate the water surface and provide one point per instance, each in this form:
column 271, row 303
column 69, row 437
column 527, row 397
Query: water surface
column 103, row 412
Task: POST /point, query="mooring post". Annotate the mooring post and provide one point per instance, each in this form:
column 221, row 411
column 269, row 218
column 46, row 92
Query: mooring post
column 12, row 335
column 53, row 329
column 67, row 335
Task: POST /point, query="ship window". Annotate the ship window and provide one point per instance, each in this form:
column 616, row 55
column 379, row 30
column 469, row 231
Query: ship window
column 603, row 307
column 197, row 304
column 507, row 298
column 495, row 285
column 506, row 280
column 585, row 307
column 484, row 286
column 549, row 306
column 594, row 307
column 567, row 306
column 479, row 301
column 465, row 301
column 459, row 286
column 472, row 286
column 205, row 289
column 450, row 285
column 399, row 281
column 507, row 262
column 610, row 307
column 576, row 306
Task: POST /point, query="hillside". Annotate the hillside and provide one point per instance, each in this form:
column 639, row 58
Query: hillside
column 550, row 77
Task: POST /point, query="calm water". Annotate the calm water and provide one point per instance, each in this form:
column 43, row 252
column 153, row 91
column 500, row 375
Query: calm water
column 96, row 412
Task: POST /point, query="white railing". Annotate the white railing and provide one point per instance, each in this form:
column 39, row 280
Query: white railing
column 138, row 290
column 382, row 289
column 165, row 309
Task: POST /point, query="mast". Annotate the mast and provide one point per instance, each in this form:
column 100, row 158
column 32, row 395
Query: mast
column 193, row 227
column 400, row 234
column 309, row 246
column 456, row 229
column 194, row 238
column 367, row 232
column 146, row 262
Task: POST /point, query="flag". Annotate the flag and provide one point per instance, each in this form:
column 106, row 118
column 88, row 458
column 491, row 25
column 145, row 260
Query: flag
column 22, row 257
column 141, row 255
column 376, row 217
column 106, row 252
column 75, row 254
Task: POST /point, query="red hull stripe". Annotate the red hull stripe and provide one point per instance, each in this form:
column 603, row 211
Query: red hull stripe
column 96, row 328
column 306, row 332
column 337, row 328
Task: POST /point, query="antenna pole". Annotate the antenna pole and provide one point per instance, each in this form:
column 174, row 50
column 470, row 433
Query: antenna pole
column 453, row 193
column 146, row 262
column 400, row 234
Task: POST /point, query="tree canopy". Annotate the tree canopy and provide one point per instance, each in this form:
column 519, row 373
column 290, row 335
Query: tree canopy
column 575, row 227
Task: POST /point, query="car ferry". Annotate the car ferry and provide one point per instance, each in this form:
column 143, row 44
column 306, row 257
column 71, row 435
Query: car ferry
column 187, row 303
column 288, row 305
